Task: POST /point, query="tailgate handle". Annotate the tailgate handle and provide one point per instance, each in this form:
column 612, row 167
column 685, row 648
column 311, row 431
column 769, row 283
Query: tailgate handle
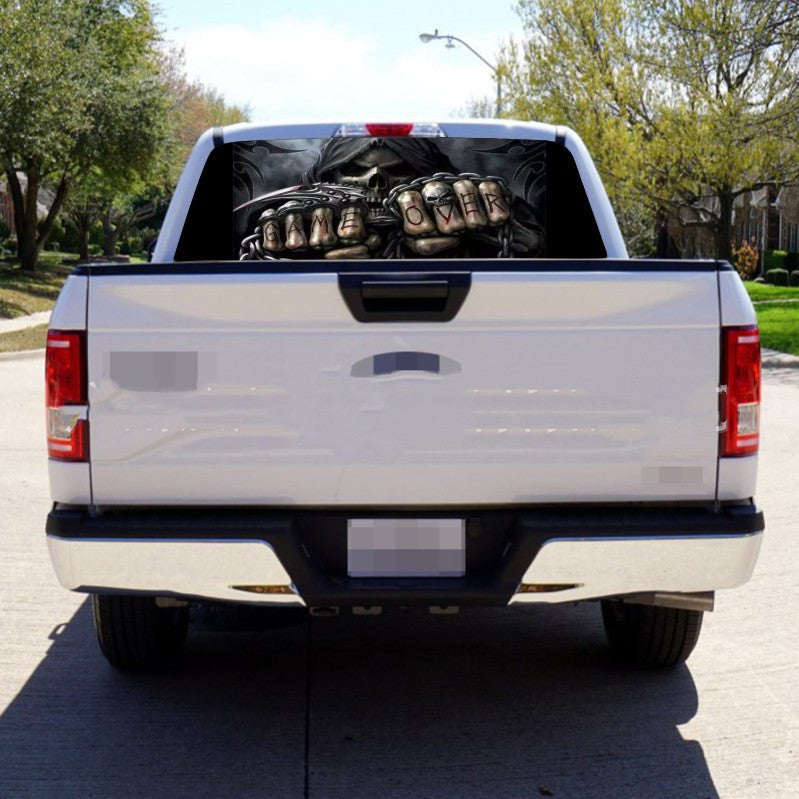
column 404, row 297
column 399, row 291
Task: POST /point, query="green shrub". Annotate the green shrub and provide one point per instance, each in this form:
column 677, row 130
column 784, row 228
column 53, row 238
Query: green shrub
column 95, row 249
column 792, row 260
column 130, row 244
column 795, row 278
column 773, row 259
column 777, row 277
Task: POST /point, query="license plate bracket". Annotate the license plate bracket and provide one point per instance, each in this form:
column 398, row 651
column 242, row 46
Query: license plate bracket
column 406, row 547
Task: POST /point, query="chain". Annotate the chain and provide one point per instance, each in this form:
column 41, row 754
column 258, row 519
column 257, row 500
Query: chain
column 251, row 249
column 393, row 248
column 505, row 240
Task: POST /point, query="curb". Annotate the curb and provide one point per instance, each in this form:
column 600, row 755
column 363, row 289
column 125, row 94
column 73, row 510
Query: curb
column 22, row 355
column 772, row 359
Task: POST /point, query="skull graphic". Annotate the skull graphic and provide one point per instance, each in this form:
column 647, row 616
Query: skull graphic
column 364, row 197
column 377, row 170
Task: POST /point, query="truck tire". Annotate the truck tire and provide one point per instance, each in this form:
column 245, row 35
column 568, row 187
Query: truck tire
column 135, row 634
column 646, row 636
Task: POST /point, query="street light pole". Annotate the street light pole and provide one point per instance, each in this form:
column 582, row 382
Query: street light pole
column 428, row 37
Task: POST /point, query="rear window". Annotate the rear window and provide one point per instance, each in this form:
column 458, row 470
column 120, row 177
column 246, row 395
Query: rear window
column 369, row 197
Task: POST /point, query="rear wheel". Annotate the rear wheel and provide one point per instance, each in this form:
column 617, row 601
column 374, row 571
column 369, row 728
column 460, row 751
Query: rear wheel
column 646, row 636
column 135, row 634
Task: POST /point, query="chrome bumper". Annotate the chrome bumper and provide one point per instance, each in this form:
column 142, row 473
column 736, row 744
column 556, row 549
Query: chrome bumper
column 600, row 567
column 234, row 571
column 252, row 571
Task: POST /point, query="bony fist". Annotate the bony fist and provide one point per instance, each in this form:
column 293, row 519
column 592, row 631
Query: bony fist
column 339, row 232
column 435, row 212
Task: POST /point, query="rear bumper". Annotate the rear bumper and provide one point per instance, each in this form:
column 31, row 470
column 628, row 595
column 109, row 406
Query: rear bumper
column 299, row 557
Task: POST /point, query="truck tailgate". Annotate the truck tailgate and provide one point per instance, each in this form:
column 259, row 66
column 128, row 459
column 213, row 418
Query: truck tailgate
column 219, row 384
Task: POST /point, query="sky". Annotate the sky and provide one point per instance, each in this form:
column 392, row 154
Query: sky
column 309, row 60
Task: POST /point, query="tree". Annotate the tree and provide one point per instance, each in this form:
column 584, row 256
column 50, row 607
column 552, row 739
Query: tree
column 196, row 108
column 126, row 212
column 84, row 207
column 121, row 203
column 80, row 89
column 682, row 102
column 118, row 206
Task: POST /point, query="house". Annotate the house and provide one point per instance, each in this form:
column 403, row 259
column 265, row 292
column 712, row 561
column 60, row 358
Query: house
column 767, row 218
column 787, row 204
column 688, row 234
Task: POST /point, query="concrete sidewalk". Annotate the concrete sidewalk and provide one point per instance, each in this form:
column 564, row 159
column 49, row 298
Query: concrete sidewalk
column 21, row 322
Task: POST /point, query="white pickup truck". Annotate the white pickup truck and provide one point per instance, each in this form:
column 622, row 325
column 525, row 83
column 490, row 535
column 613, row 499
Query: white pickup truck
column 378, row 365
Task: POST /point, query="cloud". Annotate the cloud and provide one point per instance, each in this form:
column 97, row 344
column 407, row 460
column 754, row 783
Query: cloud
column 309, row 69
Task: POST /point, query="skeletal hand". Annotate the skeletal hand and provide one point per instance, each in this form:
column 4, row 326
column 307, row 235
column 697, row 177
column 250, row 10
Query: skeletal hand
column 432, row 214
column 290, row 229
column 436, row 212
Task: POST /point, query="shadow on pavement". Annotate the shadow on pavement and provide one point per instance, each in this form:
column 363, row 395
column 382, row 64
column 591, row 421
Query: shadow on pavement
column 521, row 702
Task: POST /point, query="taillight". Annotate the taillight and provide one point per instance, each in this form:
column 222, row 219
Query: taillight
column 740, row 378
column 66, row 395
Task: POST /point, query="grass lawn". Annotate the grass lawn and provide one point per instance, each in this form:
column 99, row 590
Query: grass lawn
column 779, row 326
column 779, row 321
column 764, row 291
column 23, row 293
column 31, row 338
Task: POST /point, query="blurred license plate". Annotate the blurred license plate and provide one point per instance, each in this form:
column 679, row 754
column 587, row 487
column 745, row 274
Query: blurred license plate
column 406, row 548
